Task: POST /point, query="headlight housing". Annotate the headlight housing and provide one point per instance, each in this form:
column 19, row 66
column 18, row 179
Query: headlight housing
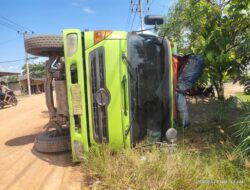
column 79, row 150
column 71, row 44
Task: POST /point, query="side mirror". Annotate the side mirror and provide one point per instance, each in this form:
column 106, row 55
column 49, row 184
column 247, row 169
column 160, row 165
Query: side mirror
column 153, row 20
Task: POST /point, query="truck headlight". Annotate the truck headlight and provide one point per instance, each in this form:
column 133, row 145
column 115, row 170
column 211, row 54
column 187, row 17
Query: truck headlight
column 79, row 150
column 71, row 44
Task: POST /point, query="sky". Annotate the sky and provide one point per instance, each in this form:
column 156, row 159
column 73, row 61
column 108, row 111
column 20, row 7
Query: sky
column 52, row 16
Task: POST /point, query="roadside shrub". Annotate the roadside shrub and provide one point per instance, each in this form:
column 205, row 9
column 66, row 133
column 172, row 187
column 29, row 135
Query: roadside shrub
column 243, row 129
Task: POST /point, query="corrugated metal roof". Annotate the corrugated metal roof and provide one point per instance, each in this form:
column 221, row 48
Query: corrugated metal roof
column 7, row 73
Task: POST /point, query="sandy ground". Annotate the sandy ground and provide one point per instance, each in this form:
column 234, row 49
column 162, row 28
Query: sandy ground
column 232, row 89
column 21, row 166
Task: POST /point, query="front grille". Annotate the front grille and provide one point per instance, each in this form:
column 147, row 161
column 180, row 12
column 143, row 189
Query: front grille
column 99, row 112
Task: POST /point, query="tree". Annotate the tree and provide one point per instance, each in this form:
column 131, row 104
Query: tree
column 217, row 29
column 36, row 70
column 13, row 78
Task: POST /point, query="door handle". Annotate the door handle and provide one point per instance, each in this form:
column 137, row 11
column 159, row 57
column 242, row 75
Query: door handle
column 124, row 82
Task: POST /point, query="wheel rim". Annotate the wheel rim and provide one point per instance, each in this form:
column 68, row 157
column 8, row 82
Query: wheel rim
column 14, row 102
column 247, row 90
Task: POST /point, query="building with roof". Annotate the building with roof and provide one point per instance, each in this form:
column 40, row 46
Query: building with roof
column 36, row 85
column 2, row 73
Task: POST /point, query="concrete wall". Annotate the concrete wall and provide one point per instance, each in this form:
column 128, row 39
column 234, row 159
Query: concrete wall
column 15, row 87
column 37, row 86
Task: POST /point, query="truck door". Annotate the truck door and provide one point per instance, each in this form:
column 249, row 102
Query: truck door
column 107, row 86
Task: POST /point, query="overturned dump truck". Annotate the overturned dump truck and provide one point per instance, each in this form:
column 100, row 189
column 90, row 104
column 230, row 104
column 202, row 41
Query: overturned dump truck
column 110, row 87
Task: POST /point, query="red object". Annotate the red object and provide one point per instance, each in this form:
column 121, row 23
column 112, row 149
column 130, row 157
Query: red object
column 176, row 63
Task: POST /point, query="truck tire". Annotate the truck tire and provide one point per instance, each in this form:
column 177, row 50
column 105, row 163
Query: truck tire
column 44, row 45
column 49, row 142
column 247, row 90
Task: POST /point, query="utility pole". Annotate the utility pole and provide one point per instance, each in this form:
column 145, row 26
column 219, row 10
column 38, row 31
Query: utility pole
column 26, row 62
column 139, row 9
column 27, row 67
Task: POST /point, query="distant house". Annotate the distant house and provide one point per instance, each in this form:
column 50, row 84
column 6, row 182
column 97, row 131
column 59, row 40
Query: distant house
column 36, row 85
column 12, row 85
column 2, row 73
column 21, row 86
column 15, row 87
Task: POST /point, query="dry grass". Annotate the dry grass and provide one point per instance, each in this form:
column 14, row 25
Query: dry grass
column 154, row 169
column 203, row 163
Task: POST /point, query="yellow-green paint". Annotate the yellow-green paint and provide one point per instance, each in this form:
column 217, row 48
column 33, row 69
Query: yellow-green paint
column 77, row 60
column 115, row 69
column 88, row 39
column 171, row 82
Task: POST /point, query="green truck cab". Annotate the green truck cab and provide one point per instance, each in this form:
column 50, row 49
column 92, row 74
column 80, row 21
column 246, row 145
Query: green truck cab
column 111, row 87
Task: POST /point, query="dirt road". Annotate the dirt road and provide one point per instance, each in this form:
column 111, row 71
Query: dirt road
column 22, row 167
column 233, row 89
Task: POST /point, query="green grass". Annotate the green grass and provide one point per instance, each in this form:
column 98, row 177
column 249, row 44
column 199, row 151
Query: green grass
column 154, row 169
column 243, row 96
column 202, row 165
column 243, row 129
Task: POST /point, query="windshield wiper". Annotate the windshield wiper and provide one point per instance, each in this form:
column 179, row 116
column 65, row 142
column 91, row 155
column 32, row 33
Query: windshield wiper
column 131, row 70
column 133, row 76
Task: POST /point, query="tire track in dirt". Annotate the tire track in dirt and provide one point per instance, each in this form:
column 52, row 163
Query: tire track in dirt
column 19, row 175
column 21, row 166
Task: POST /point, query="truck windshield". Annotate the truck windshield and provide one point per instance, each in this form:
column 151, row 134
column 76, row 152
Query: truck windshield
column 149, row 87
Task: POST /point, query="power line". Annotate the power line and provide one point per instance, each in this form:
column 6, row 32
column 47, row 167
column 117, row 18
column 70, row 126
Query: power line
column 140, row 4
column 138, row 9
column 129, row 16
column 138, row 24
column 7, row 41
column 11, row 61
column 132, row 22
column 24, row 31
column 150, row 5
column 16, row 60
column 7, row 25
column 19, row 25
column 13, row 26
